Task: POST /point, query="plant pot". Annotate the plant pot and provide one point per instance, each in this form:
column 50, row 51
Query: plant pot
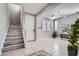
column 72, row 51
column 54, row 35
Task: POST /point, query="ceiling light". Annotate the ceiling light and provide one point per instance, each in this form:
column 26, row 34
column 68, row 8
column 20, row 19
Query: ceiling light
column 52, row 15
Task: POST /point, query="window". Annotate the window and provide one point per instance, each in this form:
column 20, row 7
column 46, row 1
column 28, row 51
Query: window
column 46, row 25
column 52, row 25
column 56, row 25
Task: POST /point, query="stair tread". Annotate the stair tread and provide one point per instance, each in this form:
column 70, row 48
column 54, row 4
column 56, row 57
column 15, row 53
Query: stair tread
column 10, row 43
column 14, row 37
column 13, row 42
column 14, row 30
column 12, row 47
column 15, row 27
column 14, row 34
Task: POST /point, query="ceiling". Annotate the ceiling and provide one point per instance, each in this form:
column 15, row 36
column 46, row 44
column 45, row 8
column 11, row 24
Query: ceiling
column 33, row 8
column 64, row 9
column 59, row 9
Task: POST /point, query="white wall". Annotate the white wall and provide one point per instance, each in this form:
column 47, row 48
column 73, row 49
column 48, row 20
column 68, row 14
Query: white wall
column 3, row 23
column 14, row 11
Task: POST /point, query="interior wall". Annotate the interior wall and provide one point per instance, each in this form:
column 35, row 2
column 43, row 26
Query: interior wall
column 4, row 21
column 14, row 14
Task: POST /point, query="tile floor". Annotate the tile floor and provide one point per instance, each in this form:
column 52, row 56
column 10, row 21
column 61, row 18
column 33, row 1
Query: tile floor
column 55, row 47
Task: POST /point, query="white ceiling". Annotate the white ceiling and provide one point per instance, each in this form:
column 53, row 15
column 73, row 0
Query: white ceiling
column 33, row 8
column 64, row 10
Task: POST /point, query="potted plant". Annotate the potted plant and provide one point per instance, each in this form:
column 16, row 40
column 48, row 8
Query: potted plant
column 54, row 34
column 73, row 39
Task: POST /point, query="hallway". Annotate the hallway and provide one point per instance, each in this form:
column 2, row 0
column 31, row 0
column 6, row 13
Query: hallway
column 40, row 29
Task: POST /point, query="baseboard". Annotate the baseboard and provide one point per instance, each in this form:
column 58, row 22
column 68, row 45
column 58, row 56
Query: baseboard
column 31, row 40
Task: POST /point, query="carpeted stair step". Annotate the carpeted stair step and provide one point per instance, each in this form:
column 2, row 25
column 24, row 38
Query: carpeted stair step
column 13, row 42
column 13, row 47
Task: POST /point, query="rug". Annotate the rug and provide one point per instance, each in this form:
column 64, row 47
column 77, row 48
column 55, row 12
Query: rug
column 40, row 53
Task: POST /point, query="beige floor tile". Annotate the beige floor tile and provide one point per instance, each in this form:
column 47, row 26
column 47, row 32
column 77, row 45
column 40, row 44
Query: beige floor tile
column 18, row 52
column 7, row 53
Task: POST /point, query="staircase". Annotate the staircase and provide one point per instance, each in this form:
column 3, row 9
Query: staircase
column 14, row 39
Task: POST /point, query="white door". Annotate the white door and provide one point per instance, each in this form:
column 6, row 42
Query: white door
column 29, row 27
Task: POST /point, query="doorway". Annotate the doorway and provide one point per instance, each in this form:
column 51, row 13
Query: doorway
column 29, row 27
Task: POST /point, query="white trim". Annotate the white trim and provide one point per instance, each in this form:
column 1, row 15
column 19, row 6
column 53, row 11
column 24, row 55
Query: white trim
column 21, row 21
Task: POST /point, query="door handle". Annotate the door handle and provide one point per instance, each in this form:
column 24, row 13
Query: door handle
column 33, row 30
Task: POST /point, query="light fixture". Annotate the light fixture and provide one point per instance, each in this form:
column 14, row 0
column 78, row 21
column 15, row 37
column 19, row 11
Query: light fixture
column 52, row 15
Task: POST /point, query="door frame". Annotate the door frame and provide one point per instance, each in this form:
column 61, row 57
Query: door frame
column 54, row 24
column 34, row 30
